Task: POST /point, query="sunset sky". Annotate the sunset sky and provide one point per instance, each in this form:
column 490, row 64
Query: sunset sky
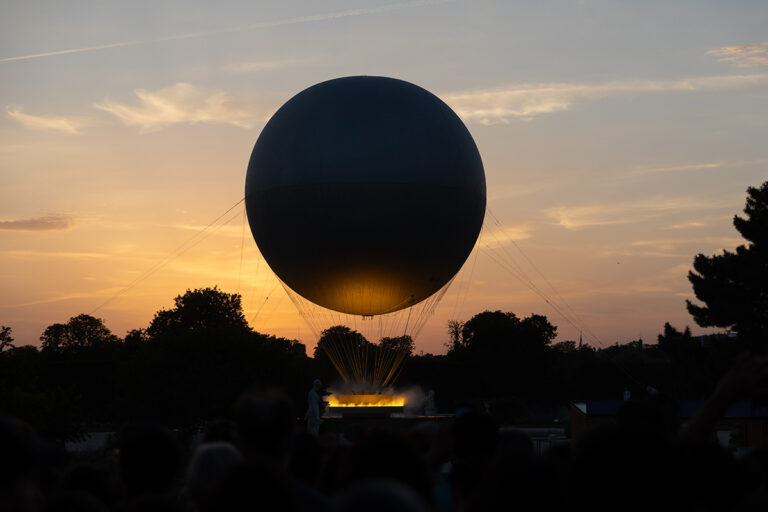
column 618, row 140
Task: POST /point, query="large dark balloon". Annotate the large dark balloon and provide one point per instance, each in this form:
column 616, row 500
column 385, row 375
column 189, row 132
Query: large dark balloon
column 365, row 194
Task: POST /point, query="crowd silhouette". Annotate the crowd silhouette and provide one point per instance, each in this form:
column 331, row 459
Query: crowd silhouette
column 264, row 459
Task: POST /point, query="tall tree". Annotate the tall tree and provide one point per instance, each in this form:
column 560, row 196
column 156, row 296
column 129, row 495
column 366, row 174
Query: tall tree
column 203, row 311
column 455, row 329
column 347, row 350
column 136, row 337
column 403, row 344
column 339, row 338
column 678, row 345
column 79, row 331
column 734, row 285
column 6, row 340
column 489, row 332
column 537, row 329
column 497, row 332
column 499, row 351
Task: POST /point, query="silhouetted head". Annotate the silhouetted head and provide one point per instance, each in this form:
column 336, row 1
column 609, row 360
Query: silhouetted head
column 70, row 501
column 620, row 459
column 265, row 423
column 209, row 465
column 379, row 496
column 515, row 443
column 94, row 480
column 424, row 435
column 150, row 458
column 382, row 454
column 755, row 466
column 20, row 449
column 317, row 384
column 515, row 483
column 707, row 477
column 221, row 431
column 475, row 439
column 475, row 435
column 306, row 458
column 153, row 503
column 253, row 486
column 19, row 464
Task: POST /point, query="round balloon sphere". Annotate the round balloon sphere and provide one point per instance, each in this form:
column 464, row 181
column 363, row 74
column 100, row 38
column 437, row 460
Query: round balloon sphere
column 365, row 195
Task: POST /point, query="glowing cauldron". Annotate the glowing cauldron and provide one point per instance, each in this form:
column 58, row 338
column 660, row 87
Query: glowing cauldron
column 374, row 405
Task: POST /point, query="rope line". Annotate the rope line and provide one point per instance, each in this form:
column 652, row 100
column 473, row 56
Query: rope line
column 242, row 250
column 371, row 363
column 181, row 249
column 516, row 270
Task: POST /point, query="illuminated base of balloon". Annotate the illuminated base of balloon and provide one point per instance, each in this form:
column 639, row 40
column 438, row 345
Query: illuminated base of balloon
column 367, row 350
column 368, row 405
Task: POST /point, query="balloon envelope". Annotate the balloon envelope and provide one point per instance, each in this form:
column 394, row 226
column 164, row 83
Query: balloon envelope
column 365, row 194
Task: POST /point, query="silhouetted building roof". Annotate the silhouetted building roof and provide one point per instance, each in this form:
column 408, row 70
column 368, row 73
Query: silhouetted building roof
column 742, row 409
column 743, row 426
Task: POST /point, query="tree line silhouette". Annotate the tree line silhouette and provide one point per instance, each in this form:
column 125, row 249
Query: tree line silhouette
column 191, row 363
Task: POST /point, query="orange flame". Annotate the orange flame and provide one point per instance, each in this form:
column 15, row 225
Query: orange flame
column 382, row 400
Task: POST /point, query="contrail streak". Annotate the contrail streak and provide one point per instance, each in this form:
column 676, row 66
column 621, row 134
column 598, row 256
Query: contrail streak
column 265, row 24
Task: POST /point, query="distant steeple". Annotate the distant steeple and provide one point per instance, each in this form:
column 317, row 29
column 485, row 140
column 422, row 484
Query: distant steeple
column 579, row 339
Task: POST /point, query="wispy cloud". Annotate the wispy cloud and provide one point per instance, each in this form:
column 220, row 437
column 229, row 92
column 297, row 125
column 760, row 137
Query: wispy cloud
column 684, row 167
column 132, row 257
column 743, row 55
column 56, row 255
column 686, row 225
column 90, row 295
column 528, row 101
column 500, row 193
column 645, row 253
column 582, row 216
column 676, row 271
column 681, row 249
column 57, row 222
column 499, row 236
column 48, row 123
column 675, row 248
column 265, row 24
column 701, row 166
column 672, row 244
column 180, row 103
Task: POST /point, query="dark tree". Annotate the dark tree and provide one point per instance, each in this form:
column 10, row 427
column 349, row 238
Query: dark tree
column 205, row 343
column 495, row 333
column 136, row 336
column 204, row 311
column 537, row 329
column 340, row 349
column 675, row 343
column 565, row 346
column 339, row 339
column 398, row 344
column 499, row 351
column 455, row 328
column 6, row 340
column 489, row 332
column 698, row 362
column 734, row 285
column 79, row 331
